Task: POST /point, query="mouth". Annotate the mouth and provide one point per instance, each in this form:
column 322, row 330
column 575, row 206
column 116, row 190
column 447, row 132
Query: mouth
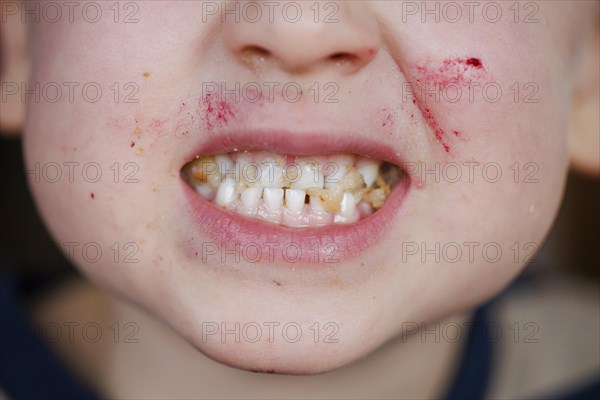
column 297, row 192
column 337, row 192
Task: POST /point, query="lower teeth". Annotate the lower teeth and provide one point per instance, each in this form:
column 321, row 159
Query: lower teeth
column 298, row 193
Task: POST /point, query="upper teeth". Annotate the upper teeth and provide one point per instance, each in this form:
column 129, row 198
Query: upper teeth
column 340, row 188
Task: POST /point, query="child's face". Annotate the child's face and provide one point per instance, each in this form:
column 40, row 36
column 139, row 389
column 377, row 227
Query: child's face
column 440, row 243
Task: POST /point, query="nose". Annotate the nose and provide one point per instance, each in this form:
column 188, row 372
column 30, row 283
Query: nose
column 299, row 37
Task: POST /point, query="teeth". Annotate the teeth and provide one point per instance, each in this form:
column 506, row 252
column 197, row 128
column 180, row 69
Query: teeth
column 341, row 188
column 294, row 200
column 353, row 181
column 336, row 167
column 369, row 169
column 226, row 193
column 251, row 197
column 204, row 190
column 271, row 174
column 226, row 165
column 330, row 198
column 346, row 160
column 316, row 205
column 340, row 219
column 273, row 198
column 206, row 170
column 348, row 205
column 365, row 209
column 336, row 173
column 307, row 175
column 249, row 171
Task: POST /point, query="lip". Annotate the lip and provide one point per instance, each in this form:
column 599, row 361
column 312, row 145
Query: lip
column 269, row 243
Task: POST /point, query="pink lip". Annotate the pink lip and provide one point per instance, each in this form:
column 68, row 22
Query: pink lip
column 321, row 246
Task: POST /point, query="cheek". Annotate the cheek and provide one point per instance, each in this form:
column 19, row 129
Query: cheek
column 446, row 82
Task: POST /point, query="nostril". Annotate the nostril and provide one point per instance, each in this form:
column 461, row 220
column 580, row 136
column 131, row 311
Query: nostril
column 255, row 51
column 253, row 56
column 343, row 58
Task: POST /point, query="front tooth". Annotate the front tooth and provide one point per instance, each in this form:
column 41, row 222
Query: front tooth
column 226, row 193
column 248, row 170
column 294, row 200
column 369, row 169
column 273, row 198
column 310, row 175
column 315, row 204
column 251, row 197
column 348, row 205
column 271, row 174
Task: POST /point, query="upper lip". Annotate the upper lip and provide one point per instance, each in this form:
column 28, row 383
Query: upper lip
column 296, row 144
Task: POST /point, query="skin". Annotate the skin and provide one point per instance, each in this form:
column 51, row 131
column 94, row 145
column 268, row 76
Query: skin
column 371, row 298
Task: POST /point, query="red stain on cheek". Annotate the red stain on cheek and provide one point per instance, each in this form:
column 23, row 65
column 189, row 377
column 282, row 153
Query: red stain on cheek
column 453, row 71
column 388, row 119
column 186, row 118
column 158, row 123
column 438, row 132
column 217, row 112
column 474, row 62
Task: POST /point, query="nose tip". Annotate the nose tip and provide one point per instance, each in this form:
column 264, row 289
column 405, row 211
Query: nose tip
column 348, row 39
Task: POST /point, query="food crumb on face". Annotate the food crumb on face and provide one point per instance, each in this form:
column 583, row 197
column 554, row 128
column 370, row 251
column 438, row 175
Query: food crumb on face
column 146, row 74
column 140, row 151
column 137, row 132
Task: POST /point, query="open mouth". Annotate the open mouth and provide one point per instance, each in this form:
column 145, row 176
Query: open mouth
column 291, row 197
column 293, row 191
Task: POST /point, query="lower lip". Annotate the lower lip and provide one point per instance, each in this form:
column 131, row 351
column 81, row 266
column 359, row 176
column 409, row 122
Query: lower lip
column 235, row 237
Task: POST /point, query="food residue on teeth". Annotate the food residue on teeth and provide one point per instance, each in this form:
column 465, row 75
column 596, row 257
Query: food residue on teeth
column 293, row 191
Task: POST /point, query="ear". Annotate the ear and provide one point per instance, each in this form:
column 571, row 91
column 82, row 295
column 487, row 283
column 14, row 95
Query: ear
column 14, row 66
column 584, row 138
